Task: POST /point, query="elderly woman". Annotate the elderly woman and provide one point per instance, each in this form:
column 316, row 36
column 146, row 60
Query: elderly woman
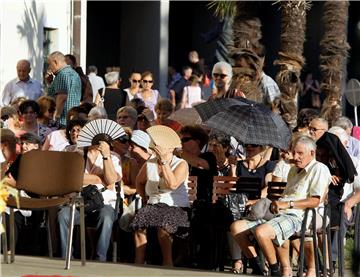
column 164, row 180
column 139, row 147
column 222, row 74
column 10, row 120
column 112, row 96
column 164, row 108
column 127, row 117
column 149, row 95
column 29, row 110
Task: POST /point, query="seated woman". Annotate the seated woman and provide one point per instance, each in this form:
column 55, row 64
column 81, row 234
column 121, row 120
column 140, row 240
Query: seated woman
column 162, row 180
column 256, row 165
column 164, row 108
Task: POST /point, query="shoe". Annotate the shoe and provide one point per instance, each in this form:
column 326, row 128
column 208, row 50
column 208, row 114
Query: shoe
column 237, row 267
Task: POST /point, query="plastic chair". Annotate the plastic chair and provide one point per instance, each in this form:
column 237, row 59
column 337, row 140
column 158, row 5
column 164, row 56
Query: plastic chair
column 57, row 177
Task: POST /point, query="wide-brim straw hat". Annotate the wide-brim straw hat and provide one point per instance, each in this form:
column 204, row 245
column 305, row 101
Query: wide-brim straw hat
column 164, row 136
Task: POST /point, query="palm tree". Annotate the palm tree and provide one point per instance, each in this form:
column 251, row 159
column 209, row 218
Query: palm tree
column 291, row 60
column 333, row 54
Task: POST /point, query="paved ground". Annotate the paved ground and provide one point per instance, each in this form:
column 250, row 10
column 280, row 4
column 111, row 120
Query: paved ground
column 40, row 266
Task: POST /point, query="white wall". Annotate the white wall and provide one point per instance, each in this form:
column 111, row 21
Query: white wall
column 21, row 33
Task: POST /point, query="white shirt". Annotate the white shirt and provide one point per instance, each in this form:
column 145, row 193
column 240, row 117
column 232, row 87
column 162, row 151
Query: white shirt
column 191, row 95
column 281, row 170
column 30, row 89
column 350, row 188
column 96, row 83
column 98, row 169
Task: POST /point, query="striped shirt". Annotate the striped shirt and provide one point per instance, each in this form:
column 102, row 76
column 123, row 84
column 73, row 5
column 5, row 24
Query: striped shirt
column 66, row 81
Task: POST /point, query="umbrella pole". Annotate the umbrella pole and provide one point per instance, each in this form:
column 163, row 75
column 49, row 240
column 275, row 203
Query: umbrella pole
column 356, row 116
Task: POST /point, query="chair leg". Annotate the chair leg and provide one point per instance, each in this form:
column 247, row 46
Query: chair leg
column 341, row 243
column 50, row 248
column 70, row 235
column 114, row 252
column 315, row 245
column 82, row 233
column 12, row 236
column 301, row 254
column 4, row 240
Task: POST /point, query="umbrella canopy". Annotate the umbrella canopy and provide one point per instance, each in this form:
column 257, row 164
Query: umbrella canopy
column 187, row 116
column 248, row 121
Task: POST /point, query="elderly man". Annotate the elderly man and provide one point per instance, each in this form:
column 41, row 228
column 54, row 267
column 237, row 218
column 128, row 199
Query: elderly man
column 66, row 87
column 22, row 86
column 307, row 182
column 97, row 83
column 317, row 127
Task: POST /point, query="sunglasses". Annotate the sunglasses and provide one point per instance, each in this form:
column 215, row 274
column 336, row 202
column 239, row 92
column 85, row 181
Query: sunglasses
column 51, row 110
column 147, row 81
column 222, row 76
column 123, row 139
column 184, row 140
column 136, row 81
column 5, row 117
column 251, row 145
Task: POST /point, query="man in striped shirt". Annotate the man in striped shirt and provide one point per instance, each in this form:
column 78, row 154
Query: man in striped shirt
column 66, row 87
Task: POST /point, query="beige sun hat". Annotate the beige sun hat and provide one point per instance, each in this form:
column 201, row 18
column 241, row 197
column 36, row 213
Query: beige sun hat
column 163, row 136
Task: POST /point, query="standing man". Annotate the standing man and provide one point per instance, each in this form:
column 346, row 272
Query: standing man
column 22, row 86
column 176, row 90
column 66, row 87
column 97, row 83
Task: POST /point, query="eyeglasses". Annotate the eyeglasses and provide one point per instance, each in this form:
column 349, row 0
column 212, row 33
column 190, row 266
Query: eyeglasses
column 222, row 76
column 147, row 81
column 123, row 117
column 251, row 145
column 184, row 140
column 313, row 129
column 136, row 81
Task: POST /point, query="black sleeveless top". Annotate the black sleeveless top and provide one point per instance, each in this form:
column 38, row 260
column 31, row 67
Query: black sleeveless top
column 114, row 99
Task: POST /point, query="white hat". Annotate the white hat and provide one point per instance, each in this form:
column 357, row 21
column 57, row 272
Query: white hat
column 141, row 138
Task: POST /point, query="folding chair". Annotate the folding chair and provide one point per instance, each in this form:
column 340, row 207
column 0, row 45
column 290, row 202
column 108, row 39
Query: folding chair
column 192, row 189
column 57, row 177
column 275, row 190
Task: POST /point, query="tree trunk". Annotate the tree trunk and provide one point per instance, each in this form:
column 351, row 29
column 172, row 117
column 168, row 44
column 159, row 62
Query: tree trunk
column 291, row 60
column 333, row 53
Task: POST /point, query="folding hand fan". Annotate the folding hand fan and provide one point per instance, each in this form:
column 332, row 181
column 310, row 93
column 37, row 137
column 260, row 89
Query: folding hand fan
column 99, row 129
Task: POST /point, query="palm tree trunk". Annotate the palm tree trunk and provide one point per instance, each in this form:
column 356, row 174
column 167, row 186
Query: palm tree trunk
column 291, row 60
column 333, row 53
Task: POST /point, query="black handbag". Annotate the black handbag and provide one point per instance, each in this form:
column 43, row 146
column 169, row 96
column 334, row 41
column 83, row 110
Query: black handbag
column 93, row 199
column 236, row 203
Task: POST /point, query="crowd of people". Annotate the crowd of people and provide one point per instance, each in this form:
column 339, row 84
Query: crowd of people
column 157, row 155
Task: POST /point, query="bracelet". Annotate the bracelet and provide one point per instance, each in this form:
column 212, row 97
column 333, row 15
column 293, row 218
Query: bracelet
column 162, row 162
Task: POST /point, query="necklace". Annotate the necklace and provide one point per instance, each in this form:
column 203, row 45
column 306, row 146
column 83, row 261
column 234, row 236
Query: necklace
column 253, row 170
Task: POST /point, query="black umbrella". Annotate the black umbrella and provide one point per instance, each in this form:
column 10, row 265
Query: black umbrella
column 247, row 121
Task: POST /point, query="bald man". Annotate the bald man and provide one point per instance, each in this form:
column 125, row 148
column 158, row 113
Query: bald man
column 22, row 86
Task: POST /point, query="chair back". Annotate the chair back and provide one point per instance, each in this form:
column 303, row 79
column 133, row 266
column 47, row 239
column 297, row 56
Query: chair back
column 222, row 185
column 192, row 188
column 51, row 173
column 251, row 186
column 275, row 190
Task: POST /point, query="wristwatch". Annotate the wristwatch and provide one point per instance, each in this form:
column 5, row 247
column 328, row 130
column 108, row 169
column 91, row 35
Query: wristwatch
column 163, row 162
column 291, row 204
column 105, row 158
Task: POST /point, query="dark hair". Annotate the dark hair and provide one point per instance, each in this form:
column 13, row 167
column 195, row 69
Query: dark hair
column 147, row 73
column 71, row 124
column 196, row 132
column 45, row 103
column 29, row 103
column 164, row 105
column 305, row 116
column 72, row 58
column 74, row 111
column 138, row 104
column 31, row 138
column 223, row 139
column 86, row 107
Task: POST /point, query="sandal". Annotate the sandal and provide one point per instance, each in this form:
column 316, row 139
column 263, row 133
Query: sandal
column 237, row 267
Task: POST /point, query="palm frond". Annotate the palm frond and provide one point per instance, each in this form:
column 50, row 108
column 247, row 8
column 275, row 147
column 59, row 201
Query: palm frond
column 223, row 9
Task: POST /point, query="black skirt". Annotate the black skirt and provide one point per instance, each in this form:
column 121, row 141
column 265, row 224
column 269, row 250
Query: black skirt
column 173, row 220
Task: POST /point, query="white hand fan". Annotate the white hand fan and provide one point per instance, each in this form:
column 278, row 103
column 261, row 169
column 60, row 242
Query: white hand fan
column 99, row 129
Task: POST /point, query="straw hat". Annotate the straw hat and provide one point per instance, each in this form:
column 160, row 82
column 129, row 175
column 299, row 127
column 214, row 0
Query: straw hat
column 164, row 136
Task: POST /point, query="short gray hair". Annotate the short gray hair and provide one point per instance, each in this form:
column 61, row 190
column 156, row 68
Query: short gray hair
column 97, row 113
column 340, row 133
column 57, row 55
column 343, row 122
column 306, row 140
column 112, row 77
column 92, row 69
column 225, row 66
column 323, row 121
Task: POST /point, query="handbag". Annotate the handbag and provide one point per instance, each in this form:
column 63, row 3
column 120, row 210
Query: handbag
column 129, row 212
column 260, row 210
column 93, row 199
column 101, row 102
column 236, row 203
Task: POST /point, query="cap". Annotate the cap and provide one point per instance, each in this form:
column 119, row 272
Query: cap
column 140, row 138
